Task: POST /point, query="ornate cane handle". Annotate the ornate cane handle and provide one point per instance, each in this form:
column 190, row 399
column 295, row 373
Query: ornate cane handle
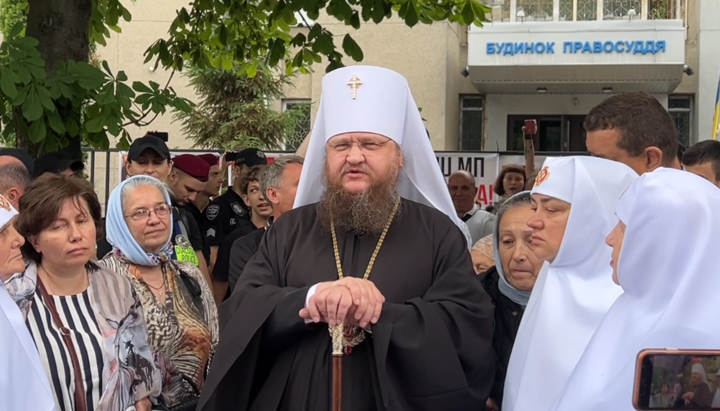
column 336, row 332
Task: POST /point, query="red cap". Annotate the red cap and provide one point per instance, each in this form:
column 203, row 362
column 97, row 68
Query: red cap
column 193, row 166
column 211, row 159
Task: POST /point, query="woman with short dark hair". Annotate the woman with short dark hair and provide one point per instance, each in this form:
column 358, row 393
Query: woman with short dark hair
column 510, row 181
column 87, row 322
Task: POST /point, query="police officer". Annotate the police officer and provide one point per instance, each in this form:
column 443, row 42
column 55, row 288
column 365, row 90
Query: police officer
column 223, row 214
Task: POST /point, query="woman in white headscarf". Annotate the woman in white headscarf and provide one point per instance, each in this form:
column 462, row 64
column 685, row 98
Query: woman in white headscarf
column 23, row 382
column 509, row 281
column 574, row 200
column 665, row 259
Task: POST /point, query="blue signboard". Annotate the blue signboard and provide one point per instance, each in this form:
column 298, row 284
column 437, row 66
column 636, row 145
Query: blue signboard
column 578, row 47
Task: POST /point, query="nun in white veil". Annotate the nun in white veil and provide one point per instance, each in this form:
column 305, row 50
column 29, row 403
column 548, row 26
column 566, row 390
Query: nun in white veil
column 574, row 290
column 24, row 384
column 665, row 252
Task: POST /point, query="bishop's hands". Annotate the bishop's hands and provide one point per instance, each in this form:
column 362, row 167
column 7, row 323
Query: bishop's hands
column 352, row 301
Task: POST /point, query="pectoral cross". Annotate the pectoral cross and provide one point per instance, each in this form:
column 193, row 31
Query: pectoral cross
column 354, row 84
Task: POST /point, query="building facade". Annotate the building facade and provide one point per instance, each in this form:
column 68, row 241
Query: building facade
column 548, row 60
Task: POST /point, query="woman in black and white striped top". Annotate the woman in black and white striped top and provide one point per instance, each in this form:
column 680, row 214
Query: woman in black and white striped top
column 76, row 313
column 87, row 322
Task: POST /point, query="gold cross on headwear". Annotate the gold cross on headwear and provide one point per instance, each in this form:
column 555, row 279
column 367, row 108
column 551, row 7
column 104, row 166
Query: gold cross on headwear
column 354, row 83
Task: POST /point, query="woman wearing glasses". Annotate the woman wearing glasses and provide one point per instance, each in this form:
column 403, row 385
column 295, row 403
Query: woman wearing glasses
column 179, row 309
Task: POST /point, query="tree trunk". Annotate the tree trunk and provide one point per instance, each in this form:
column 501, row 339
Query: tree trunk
column 62, row 28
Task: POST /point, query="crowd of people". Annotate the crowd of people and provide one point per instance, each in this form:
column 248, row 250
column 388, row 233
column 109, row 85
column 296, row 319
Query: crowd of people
column 183, row 296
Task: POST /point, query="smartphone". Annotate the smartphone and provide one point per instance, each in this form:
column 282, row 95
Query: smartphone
column 675, row 379
column 231, row 156
column 530, row 127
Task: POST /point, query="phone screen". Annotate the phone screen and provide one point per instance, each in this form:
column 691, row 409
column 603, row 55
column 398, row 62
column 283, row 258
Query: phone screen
column 679, row 382
column 530, row 127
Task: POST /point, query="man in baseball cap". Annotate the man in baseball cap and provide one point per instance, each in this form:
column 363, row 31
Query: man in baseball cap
column 57, row 163
column 149, row 155
column 222, row 216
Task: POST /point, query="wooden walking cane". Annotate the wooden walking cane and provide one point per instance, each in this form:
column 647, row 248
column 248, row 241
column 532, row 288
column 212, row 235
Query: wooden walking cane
column 337, row 353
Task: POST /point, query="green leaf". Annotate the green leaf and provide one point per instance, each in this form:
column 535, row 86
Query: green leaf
column 125, row 13
column 35, row 61
column 124, row 143
column 37, row 131
column 298, row 60
column 20, row 98
column 96, row 124
column 72, row 127
column 468, row 14
column 352, row 49
column 17, row 29
column 45, row 97
column 182, row 105
column 56, row 122
column 106, row 66
column 51, row 144
column 6, row 84
column 378, row 13
column 355, row 20
column 32, row 108
column 324, row 43
column 121, row 76
column 251, row 70
column 223, row 35
column 138, row 86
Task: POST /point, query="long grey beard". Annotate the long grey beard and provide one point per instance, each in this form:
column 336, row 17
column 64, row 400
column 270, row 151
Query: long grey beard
column 366, row 212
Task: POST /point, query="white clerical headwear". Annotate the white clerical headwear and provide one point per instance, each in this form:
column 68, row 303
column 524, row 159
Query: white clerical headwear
column 376, row 100
column 572, row 293
column 24, row 384
column 667, row 269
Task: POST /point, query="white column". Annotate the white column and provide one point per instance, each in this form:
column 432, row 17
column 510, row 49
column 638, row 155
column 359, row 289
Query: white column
column 643, row 10
column 575, row 16
column 678, row 9
column 600, row 10
column 556, row 10
column 513, row 10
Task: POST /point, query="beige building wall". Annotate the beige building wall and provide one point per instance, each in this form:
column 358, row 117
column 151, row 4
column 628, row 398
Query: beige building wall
column 150, row 22
column 430, row 57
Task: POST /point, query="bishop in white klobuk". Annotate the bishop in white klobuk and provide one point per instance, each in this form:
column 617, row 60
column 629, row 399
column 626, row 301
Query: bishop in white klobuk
column 24, row 384
column 381, row 103
column 357, row 250
column 667, row 266
column 575, row 289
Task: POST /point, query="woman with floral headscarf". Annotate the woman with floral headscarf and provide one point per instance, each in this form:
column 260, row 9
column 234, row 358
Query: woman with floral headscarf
column 179, row 308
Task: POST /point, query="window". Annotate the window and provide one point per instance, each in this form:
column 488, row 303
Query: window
column 680, row 108
column 471, row 122
column 302, row 109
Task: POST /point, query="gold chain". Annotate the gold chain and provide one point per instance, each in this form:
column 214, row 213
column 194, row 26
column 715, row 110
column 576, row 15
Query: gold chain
column 338, row 264
column 352, row 335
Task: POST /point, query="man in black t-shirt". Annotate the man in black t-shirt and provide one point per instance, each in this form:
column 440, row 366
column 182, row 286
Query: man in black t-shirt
column 222, row 216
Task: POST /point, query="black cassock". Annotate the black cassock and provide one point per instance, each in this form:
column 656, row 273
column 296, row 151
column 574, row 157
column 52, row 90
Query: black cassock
column 431, row 349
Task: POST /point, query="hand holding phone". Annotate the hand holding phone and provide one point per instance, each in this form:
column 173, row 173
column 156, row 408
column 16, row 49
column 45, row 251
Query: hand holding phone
column 530, row 129
column 673, row 379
